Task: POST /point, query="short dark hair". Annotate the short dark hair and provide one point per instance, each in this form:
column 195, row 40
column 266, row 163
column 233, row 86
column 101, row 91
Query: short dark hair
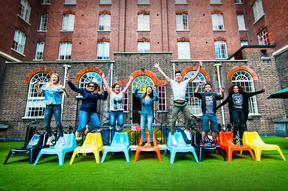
column 178, row 71
column 208, row 83
column 94, row 83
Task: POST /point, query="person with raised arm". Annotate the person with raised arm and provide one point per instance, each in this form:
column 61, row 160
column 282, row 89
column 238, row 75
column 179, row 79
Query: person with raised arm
column 116, row 114
column 53, row 91
column 147, row 102
column 179, row 87
column 88, row 109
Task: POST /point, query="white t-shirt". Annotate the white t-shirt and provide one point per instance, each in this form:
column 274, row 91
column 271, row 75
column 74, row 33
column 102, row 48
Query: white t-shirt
column 179, row 89
column 116, row 102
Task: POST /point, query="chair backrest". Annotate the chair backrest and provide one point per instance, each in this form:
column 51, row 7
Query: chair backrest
column 93, row 139
column 252, row 138
column 178, row 137
column 35, row 141
column 225, row 138
column 70, row 141
column 120, row 139
column 148, row 139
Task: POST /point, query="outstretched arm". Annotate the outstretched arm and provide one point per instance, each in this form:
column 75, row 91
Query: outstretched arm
column 196, row 73
column 224, row 102
column 161, row 71
column 250, row 94
column 127, row 85
column 108, row 89
column 38, row 89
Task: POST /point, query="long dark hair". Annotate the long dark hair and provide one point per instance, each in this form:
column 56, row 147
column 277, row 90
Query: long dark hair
column 232, row 87
column 151, row 95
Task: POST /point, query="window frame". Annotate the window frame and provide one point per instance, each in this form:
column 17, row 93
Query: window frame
column 67, row 50
column 218, row 23
column 39, row 52
column 182, row 51
column 43, row 23
column 182, row 21
column 104, row 22
column 101, row 51
column 224, row 55
column 258, row 10
column 216, row 2
column 263, row 37
column 143, row 47
column 70, row 2
column 143, row 22
column 68, row 22
column 25, row 10
column 19, row 42
column 241, row 22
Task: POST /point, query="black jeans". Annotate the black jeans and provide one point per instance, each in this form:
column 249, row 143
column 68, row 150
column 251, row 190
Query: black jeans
column 238, row 119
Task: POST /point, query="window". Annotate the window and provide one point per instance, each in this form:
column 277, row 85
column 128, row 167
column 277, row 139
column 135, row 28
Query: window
column 245, row 80
column 143, row 2
column 25, row 10
column 43, row 22
column 215, row 1
column 182, row 22
column 105, row 2
column 70, row 2
column 39, row 51
column 218, row 22
column 238, row 1
column 244, row 43
column 35, row 103
column 88, row 77
column 263, row 38
column 46, row 2
column 19, row 41
column 194, row 102
column 104, row 22
column 143, row 22
column 183, row 50
column 220, row 50
column 241, row 22
column 68, row 22
column 258, row 10
column 162, row 98
column 65, row 51
column 180, row 2
column 103, row 51
column 143, row 46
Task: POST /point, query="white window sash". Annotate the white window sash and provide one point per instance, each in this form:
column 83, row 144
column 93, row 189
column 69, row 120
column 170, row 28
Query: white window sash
column 220, row 50
column 103, row 49
column 218, row 22
column 39, row 51
column 241, row 22
column 143, row 22
column 184, row 50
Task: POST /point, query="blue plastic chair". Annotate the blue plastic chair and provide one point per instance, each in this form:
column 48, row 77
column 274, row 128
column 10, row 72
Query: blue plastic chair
column 59, row 149
column 180, row 147
column 120, row 143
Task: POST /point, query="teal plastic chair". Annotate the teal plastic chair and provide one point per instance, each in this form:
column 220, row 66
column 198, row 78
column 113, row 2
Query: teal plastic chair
column 59, row 149
column 180, row 147
column 120, row 143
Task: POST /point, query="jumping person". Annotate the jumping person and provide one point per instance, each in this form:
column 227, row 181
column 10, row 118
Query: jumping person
column 238, row 109
column 116, row 102
column 147, row 103
column 180, row 103
column 53, row 92
column 208, row 105
column 88, row 108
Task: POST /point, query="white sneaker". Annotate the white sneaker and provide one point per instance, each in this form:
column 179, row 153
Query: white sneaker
column 188, row 134
column 50, row 140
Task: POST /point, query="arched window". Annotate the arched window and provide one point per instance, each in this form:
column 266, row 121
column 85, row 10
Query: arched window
column 245, row 80
column 194, row 102
column 35, row 103
column 88, row 77
column 143, row 82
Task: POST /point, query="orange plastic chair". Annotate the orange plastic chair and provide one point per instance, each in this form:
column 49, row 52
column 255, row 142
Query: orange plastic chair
column 225, row 140
column 148, row 147
column 256, row 143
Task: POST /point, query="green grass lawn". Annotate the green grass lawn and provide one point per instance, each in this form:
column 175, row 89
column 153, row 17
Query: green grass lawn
column 271, row 173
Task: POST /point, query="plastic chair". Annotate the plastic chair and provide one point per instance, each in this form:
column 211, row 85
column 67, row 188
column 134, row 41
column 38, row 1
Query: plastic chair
column 256, row 143
column 120, row 143
column 60, row 149
column 225, row 140
column 180, row 146
column 148, row 147
column 92, row 144
column 36, row 143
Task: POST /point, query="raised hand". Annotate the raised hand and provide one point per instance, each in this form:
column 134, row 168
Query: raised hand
column 221, row 89
column 68, row 78
column 131, row 78
column 156, row 65
column 200, row 63
column 103, row 75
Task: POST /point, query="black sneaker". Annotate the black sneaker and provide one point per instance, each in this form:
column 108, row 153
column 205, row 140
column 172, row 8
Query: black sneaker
column 144, row 143
column 152, row 144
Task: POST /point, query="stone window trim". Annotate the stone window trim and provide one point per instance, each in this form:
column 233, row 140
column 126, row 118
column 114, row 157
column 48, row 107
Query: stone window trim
column 143, row 12
column 241, row 68
column 183, row 39
column 143, row 39
column 103, row 39
column 85, row 70
column 105, row 12
column 181, row 12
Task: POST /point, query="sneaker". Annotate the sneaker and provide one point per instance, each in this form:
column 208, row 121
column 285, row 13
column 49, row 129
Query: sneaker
column 188, row 134
column 51, row 140
column 78, row 137
column 152, row 144
column 144, row 143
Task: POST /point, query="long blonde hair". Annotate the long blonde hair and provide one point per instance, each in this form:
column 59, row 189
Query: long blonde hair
column 49, row 83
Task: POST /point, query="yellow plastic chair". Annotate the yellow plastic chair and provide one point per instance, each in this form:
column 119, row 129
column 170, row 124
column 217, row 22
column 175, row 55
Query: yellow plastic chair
column 92, row 144
column 257, row 145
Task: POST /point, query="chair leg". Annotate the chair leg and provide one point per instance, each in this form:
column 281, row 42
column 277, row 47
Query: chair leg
column 137, row 154
column 61, row 158
column 281, row 154
column 201, row 152
column 8, row 156
column 230, row 154
column 126, row 152
column 252, row 154
column 158, row 154
column 104, row 156
column 258, row 154
column 165, row 152
column 172, row 156
column 221, row 151
column 38, row 157
column 97, row 157
column 195, row 155
column 73, row 157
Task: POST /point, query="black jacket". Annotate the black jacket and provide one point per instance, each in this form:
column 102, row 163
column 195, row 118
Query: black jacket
column 202, row 96
column 245, row 106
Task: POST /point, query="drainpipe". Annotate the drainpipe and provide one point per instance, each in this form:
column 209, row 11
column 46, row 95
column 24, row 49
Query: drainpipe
column 66, row 68
column 173, row 66
column 217, row 66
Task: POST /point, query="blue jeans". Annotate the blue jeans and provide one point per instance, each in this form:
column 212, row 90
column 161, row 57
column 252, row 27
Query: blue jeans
column 49, row 111
column 205, row 122
column 116, row 116
column 145, row 118
column 84, row 116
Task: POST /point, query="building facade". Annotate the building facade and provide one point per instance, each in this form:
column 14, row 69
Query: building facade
column 126, row 37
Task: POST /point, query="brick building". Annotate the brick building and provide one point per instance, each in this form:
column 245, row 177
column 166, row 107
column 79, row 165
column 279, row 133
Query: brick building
column 245, row 39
